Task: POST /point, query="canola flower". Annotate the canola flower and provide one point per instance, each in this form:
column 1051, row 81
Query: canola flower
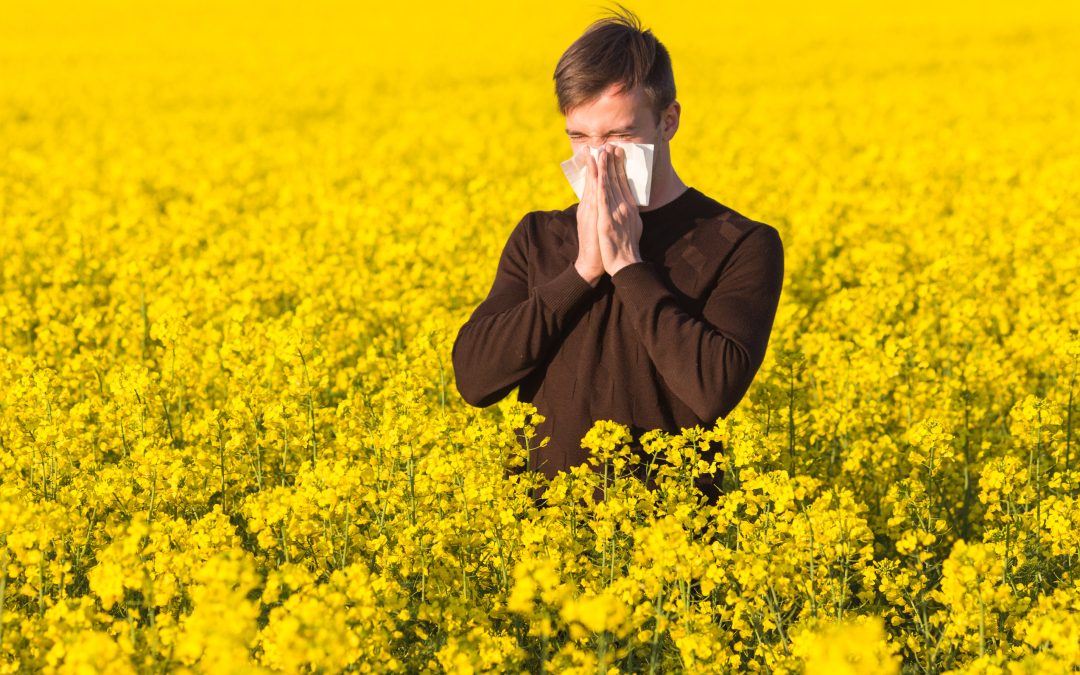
column 238, row 244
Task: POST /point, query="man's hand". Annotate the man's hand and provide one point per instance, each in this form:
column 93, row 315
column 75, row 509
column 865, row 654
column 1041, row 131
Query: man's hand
column 589, row 264
column 618, row 223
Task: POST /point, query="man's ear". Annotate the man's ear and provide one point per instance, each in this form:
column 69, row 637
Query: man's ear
column 669, row 120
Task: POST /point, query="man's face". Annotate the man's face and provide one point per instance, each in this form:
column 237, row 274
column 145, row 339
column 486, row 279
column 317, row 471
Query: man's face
column 615, row 116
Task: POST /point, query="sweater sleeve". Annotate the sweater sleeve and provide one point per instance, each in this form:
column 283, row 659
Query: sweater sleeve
column 512, row 331
column 709, row 362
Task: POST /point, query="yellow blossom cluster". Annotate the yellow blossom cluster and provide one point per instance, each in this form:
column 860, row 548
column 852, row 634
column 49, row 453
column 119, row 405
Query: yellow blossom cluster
column 238, row 243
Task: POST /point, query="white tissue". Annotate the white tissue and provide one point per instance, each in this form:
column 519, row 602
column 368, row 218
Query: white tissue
column 639, row 159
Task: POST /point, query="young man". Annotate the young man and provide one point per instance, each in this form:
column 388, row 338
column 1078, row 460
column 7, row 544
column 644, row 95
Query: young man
column 654, row 316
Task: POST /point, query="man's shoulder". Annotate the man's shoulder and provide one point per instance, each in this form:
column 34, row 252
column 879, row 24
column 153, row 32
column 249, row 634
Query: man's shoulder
column 549, row 226
column 727, row 226
column 562, row 216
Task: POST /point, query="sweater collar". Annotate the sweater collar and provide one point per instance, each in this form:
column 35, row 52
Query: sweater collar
column 676, row 208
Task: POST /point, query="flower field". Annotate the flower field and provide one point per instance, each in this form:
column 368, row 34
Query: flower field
column 238, row 241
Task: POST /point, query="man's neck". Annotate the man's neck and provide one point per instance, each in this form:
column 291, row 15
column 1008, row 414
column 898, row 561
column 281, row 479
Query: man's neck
column 665, row 188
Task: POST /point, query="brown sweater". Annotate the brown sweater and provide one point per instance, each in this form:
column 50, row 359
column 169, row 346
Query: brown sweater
column 670, row 342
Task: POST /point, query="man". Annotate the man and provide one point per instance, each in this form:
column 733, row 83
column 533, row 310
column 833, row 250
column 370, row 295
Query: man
column 655, row 316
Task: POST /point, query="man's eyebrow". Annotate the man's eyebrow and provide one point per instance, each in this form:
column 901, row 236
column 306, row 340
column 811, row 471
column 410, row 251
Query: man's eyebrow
column 623, row 130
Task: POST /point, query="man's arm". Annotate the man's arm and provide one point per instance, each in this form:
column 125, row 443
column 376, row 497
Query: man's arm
column 709, row 363
column 513, row 329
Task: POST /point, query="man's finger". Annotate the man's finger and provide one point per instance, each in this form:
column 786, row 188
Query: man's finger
column 613, row 178
column 612, row 174
column 624, row 182
column 601, row 175
column 590, row 180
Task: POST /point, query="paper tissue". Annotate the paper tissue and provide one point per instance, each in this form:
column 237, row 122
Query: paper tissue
column 639, row 159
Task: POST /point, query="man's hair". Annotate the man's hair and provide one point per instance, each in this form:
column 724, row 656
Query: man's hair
column 615, row 50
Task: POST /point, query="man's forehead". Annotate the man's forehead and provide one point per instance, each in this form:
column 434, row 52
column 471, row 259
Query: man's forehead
column 603, row 120
column 611, row 113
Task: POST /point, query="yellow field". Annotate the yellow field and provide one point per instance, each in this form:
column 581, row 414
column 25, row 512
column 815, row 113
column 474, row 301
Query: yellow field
column 237, row 244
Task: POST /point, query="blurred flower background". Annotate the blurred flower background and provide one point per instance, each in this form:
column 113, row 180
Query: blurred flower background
column 238, row 240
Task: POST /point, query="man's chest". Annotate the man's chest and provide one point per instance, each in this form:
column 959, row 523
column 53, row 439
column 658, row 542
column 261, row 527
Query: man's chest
column 689, row 260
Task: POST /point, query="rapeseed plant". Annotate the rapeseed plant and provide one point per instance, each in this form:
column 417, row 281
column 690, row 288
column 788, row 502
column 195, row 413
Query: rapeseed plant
column 236, row 251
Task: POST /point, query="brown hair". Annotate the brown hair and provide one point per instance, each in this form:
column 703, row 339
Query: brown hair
column 615, row 50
